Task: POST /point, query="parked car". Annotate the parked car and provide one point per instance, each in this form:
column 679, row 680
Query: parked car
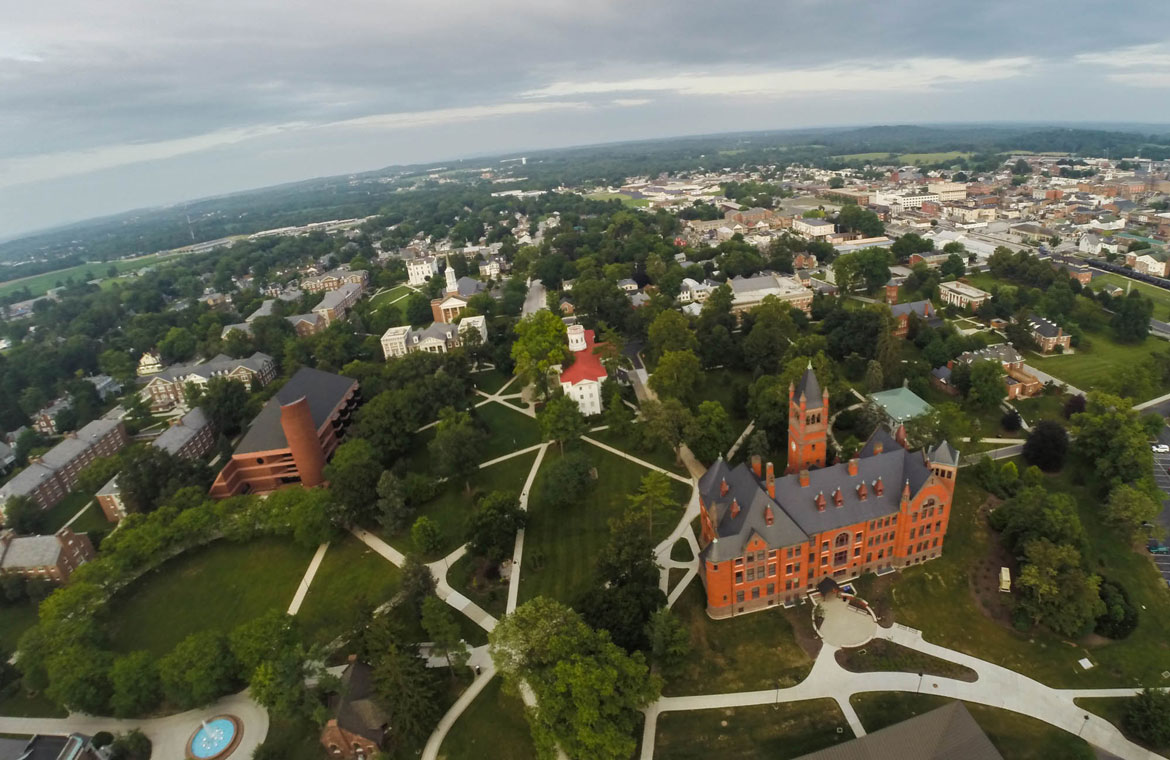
column 1157, row 547
column 1160, row 448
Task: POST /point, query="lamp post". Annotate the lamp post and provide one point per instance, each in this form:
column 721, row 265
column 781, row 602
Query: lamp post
column 1084, row 723
column 919, row 689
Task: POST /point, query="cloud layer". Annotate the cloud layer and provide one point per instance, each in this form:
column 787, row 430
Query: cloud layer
column 116, row 105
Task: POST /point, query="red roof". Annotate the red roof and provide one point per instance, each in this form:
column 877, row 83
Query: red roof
column 587, row 365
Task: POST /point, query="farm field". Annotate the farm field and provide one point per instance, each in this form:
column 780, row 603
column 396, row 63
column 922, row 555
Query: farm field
column 39, row 284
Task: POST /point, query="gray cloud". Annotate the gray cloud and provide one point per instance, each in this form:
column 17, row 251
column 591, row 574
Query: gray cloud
column 105, row 106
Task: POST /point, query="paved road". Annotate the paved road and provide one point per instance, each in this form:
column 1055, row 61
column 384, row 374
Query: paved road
column 535, row 300
column 1162, row 478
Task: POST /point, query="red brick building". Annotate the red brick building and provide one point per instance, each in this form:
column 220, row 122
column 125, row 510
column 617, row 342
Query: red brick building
column 293, row 436
column 768, row 541
column 52, row 558
column 902, row 311
column 358, row 726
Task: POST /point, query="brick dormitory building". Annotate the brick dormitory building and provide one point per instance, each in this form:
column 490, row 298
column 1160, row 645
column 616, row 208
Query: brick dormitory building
column 769, row 541
column 293, row 436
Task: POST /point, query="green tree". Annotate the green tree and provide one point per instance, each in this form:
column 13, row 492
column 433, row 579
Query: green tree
column 279, row 683
column 618, row 416
column 1109, row 435
column 418, row 310
column 677, row 375
column 353, row 480
column 987, row 389
column 117, row 364
column 492, row 527
column 668, row 421
column 23, row 515
column 836, row 182
column 425, row 535
column 417, row 582
column 456, row 447
column 79, row 678
column 135, row 682
column 712, row 434
column 1128, row 508
column 394, row 512
column 199, row 670
column 671, row 331
column 150, row 476
column 654, row 495
column 670, row 641
column 1131, row 317
column 409, row 693
column 226, row 404
column 1057, row 590
column 177, row 346
column 443, row 631
column 561, row 420
column 1046, row 446
column 1148, row 717
column 261, row 639
column 540, row 345
column 568, row 480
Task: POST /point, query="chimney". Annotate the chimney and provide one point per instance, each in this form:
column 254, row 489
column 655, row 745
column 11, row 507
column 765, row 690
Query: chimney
column 303, row 442
column 734, row 508
column 862, row 491
column 877, row 447
column 877, row 486
column 853, row 466
column 769, row 518
column 757, row 465
column 804, row 478
column 838, row 498
column 820, row 501
column 771, row 474
column 723, row 489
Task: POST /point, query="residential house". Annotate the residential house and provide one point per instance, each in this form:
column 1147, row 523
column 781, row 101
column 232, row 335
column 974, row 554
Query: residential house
column 168, row 389
column 1155, row 263
column 1017, row 380
column 1048, row 335
column 962, row 295
column 49, row 479
column 149, row 364
column 768, row 541
column 627, row 285
column 45, row 420
column 336, row 303
column 105, row 386
column 7, row 457
column 437, row 338
column 358, row 726
column 293, row 436
column 693, row 291
column 52, row 558
column 582, row 380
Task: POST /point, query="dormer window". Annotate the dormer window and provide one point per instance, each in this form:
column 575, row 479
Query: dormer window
column 877, row 487
column 862, row 491
column 838, row 497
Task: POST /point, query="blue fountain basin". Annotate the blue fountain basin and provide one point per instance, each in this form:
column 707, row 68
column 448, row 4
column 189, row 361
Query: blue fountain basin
column 214, row 738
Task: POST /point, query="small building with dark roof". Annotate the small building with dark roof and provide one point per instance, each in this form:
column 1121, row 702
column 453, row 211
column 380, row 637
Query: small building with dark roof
column 358, row 726
column 923, row 310
column 293, row 436
column 768, row 540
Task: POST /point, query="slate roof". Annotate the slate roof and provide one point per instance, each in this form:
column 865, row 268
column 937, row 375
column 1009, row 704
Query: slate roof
column 26, row 481
column 355, row 709
column 1001, row 352
column 948, row 733
column 217, row 365
column 810, row 388
column 331, row 299
column 324, row 391
column 917, row 307
column 1044, row 327
column 176, row 436
column 467, row 287
column 795, row 515
column 29, row 551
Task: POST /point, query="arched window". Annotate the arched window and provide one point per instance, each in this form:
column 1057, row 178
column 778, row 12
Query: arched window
column 842, row 539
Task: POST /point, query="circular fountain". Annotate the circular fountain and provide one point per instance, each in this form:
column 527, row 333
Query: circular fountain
column 215, row 738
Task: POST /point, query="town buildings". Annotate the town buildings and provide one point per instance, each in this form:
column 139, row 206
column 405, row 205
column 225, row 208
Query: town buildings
column 191, row 436
column 1048, row 335
column 293, row 436
column 750, row 292
column 335, row 279
column 582, row 380
column 336, row 303
column 902, row 311
column 52, row 558
column 168, row 388
column 419, row 270
column 814, row 229
column 49, row 479
column 437, row 338
column 769, row 540
column 962, row 295
column 1018, row 382
column 454, row 301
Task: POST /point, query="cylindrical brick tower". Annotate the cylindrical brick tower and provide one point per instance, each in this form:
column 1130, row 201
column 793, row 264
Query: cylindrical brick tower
column 303, row 442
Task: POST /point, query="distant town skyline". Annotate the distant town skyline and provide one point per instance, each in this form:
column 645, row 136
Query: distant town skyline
column 111, row 108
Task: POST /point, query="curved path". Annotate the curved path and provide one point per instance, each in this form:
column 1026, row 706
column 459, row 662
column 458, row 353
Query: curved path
column 168, row 735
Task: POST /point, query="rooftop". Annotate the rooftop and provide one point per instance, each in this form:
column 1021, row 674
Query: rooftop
column 947, row 733
column 324, row 391
column 901, row 404
column 587, row 365
column 29, row 551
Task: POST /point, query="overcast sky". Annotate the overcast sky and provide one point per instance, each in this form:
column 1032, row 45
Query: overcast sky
column 106, row 107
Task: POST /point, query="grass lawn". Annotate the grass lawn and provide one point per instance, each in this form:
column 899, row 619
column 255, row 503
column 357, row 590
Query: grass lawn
column 936, row 597
column 1113, row 710
column 775, row 732
column 1159, row 296
column 449, row 510
column 391, row 295
column 214, row 588
column 15, row 619
column 489, row 593
column 660, row 455
column 492, row 726
column 40, row 284
column 729, row 388
column 64, row 510
column 21, row 705
column 625, row 199
column 560, row 546
column 1097, row 360
column 681, row 551
column 743, row 653
column 1040, row 408
column 294, row 739
column 880, row 655
column 932, row 158
column 491, row 380
column 352, row 579
column 92, row 521
column 1017, row 737
column 509, row 430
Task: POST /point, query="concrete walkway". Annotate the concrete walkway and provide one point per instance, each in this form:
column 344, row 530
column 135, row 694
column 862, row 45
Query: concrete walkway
column 634, row 459
column 307, row 580
column 169, row 735
column 518, row 549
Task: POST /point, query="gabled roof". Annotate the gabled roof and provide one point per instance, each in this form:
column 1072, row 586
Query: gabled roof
column 586, row 365
column 948, row 733
column 921, row 308
column 354, row 707
column 1044, row 327
column 944, row 453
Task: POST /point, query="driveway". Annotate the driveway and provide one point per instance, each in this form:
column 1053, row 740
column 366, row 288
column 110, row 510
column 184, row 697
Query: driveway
column 535, row 300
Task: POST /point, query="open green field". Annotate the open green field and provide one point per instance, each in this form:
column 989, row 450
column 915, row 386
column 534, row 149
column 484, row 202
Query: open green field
column 1113, row 710
column 391, row 295
column 1160, row 296
column 880, row 656
column 560, row 545
column 873, row 156
column 352, row 580
column 23, row 705
column 64, row 511
column 15, row 619
column 214, row 588
column 493, row 726
column 492, row 380
column 659, row 454
column 489, row 593
column 771, row 732
column 627, row 200
column 40, row 284
column 449, row 510
column 936, row 597
column 1097, row 361
column 509, row 430
column 1017, row 737
column 742, row 653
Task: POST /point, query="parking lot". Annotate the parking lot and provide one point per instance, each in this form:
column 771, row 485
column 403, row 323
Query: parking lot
column 1162, row 478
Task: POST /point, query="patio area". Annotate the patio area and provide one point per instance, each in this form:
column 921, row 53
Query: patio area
column 843, row 624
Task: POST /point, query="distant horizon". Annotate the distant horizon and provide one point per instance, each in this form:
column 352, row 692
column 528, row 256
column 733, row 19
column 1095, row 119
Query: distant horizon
column 1129, row 127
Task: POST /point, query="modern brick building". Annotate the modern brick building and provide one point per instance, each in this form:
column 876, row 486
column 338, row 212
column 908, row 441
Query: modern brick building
column 902, row 311
column 336, row 303
column 335, row 279
column 168, row 388
column 49, row 479
column 1048, row 335
column 768, row 540
column 293, row 436
column 53, row 558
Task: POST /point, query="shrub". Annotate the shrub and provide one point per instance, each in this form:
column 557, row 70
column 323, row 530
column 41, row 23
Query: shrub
column 1121, row 617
